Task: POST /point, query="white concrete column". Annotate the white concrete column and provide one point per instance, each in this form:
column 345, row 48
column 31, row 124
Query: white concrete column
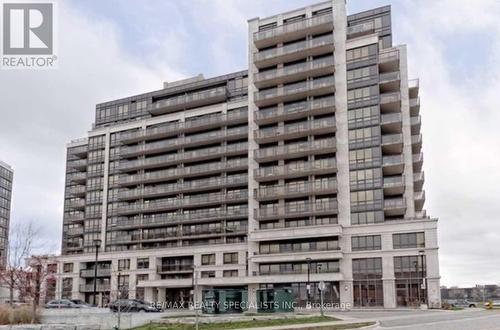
column 253, row 246
column 389, row 283
column 162, row 295
column 148, row 294
column 342, row 134
column 105, row 190
column 346, row 293
column 252, row 298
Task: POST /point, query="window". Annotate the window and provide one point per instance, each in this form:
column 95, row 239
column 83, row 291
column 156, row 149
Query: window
column 123, row 264
column 363, row 218
column 208, row 274
column 142, row 263
column 230, row 273
column 363, row 243
column 408, row 240
column 68, row 268
column 208, row 259
column 231, row 258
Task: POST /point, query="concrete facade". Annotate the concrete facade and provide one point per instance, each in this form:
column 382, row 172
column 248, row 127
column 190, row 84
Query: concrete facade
column 305, row 168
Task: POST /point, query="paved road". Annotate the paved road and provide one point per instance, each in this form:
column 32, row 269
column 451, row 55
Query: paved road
column 468, row 319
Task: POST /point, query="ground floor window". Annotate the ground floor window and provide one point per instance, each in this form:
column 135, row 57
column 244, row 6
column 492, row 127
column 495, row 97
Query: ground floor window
column 331, row 294
column 368, row 293
column 367, row 285
column 410, row 274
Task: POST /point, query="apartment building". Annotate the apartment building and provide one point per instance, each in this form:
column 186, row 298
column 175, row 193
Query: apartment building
column 6, row 178
column 305, row 168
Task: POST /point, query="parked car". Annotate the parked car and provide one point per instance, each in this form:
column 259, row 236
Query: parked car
column 132, row 305
column 61, row 303
column 80, row 303
column 462, row 303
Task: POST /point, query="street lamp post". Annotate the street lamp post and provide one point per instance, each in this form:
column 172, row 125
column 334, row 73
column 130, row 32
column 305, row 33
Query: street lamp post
column 97, row 245
column 418, row 280
column 308, row 281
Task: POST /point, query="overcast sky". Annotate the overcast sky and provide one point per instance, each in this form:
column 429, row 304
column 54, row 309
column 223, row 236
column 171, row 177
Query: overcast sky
column 111, row 49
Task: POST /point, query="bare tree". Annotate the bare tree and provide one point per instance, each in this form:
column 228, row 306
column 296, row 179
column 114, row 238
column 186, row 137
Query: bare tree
column 21, row 241
column 37, row 273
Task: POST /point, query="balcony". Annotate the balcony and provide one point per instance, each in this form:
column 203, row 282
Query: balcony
column 389, row 60
column 79, row 151
column 78, row 177
column 414, row 106
column 173, row 144
column 294, row 91
column 416, row 123
column 413, row 87
column 394, row 185
column 298, row 210
column 389, row 82
column 189, row 100
column 418, row 181
column 101, row 272
column 295, row 130
column 294, row 51
column 419, row 200
column 75, row 204
column 174, row 128
column 392, row 143
column 394, row 206
column 418, row 161
column 287, row 151
column 176, row 158
column 390, row 102
column 80, row 164
column 84, row 288
column 74, row 231
column 364, row 206
column 360, row 29
column 392, row 165
column 173, row 219
column 74, row 216
column 297, row 169
column 284, row 233
column 296, row 190
column 391, row 122
column 295, row 110
column 76, row 190
column 175, row 203
column 177, row 268
column 294, row 72
column 188, row 186
column 196, row 170
column 416, row 143
column 294, row 30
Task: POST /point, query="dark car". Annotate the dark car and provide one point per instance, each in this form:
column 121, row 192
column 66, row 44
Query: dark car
column 132, row 305
column 61, row 303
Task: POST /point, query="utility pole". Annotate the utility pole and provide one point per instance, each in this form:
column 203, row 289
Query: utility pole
column 194, row 300
column 119, row 302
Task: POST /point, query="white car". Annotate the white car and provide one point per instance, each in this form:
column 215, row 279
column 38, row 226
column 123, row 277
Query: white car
column 495, row 303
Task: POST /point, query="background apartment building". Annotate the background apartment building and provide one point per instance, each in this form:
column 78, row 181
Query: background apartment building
column 305, row 168
column 6, row 178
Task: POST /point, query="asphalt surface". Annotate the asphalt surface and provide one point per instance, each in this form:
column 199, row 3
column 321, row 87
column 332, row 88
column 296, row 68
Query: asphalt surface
column 467, row 319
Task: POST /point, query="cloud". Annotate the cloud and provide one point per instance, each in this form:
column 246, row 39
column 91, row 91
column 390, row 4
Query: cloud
column 459, row 114
column 43, row 110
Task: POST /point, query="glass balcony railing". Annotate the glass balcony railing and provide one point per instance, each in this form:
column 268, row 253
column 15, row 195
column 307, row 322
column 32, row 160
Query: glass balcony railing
column 293, row 27
column 299, row 167
column 307, row 126
column 294, row 69
column 293, row 48
column 296, row 188
column 275, row 211
column 294, row 88
column 298, row 107
column 290, row 149
column 188, row 155
column 189, row 99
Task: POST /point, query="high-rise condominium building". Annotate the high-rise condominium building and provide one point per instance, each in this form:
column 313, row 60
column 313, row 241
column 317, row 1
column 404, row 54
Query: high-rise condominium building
column 306, row 168
column 6, row 177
